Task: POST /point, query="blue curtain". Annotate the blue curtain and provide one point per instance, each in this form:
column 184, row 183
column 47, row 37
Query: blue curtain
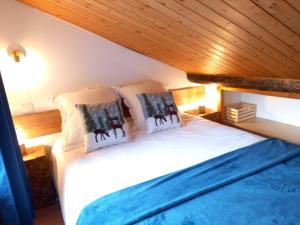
column 16, row 206
column 8, row 210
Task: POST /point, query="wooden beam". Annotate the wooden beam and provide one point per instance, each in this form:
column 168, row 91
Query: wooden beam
column 263, row 84
column 259, row 92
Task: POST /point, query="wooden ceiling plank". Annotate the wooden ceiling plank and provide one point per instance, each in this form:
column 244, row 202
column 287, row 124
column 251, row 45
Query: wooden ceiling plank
column 150, row 46
column 196, row 36
column 282, row 11
column 260, row 57
column 295, row 4
column 191, row 43
column 268, row 23
column 192, row 40
column 227, row 70
column 209, row 36
column 243, row 28
column 107, row 19
column 212, row 35
column 88, row 23
column 182, row 45
column 147, row 33
column 126, row 26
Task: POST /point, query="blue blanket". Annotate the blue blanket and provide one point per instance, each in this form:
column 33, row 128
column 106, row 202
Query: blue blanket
column 257, row 184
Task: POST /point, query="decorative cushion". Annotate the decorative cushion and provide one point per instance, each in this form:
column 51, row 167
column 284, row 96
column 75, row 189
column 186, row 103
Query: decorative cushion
column 130, row 92
column 72, row 129
column 104, row 125
column 160, row 111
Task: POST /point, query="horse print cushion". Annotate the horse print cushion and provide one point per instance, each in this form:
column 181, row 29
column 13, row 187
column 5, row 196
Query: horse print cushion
column 104, row 125
column 160, row 111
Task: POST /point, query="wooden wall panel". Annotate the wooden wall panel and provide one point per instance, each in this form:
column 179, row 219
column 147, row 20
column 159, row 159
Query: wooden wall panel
column 39, row 124
column 188, row 95
column 259, row 38
column 48, row 122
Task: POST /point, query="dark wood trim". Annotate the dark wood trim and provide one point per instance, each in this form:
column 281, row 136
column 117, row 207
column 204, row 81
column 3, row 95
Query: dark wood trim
column 263, row 84
column 270, row 93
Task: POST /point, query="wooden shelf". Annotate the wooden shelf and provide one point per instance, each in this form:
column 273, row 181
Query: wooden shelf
column 269, row 128
column 34, row 152
column 209, row 114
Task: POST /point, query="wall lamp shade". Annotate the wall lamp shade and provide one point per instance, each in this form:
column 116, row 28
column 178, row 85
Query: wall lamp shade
column 16, row 51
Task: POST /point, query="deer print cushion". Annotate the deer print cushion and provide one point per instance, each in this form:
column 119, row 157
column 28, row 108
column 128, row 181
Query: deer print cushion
column 160, row 111
column 104, row 125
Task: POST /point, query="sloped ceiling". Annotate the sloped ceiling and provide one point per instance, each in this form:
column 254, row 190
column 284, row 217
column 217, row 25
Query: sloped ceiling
column 238, row 37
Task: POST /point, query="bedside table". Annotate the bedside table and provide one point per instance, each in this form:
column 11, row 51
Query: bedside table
column 38, row 172
column 209, row 114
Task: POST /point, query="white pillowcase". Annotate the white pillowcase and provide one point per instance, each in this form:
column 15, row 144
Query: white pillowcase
column 160, row 111
column 66, row 103
column 104, row 125
column 130, row 92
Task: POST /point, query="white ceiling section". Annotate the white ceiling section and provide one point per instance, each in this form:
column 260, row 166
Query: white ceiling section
column 62, row 57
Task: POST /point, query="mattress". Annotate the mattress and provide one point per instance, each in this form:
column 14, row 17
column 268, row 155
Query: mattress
column 82, row 178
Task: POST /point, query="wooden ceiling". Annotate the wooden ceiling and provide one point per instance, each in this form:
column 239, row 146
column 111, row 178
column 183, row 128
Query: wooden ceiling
column 239, row 37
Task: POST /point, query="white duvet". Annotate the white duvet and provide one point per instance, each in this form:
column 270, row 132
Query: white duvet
column 82, row 178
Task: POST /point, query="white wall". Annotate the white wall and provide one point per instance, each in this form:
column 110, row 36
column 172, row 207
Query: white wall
column 284, row 110
column 231, row 97
column 62, row 57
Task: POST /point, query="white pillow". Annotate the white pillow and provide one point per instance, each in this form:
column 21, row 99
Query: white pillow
column 160, row 111
column 72, row 129
column 104, row 125
column 130, row 92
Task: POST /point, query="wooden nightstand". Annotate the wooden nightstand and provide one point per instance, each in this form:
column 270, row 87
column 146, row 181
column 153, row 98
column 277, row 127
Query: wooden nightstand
column 209, row 114
column 37, row 168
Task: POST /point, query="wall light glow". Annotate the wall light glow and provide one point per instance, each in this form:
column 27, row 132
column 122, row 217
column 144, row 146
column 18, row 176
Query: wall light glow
column 193, row 105
column 212, row 97
column 23, row 75
column 21, row 136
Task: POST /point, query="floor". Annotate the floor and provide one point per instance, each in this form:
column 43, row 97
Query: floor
column 50, row 215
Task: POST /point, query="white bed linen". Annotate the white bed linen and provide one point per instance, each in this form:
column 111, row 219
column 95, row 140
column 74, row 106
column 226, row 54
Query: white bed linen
column 82, row 178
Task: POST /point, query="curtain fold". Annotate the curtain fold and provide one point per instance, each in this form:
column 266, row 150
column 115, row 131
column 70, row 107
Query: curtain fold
column 8, row 209
column 20, row 200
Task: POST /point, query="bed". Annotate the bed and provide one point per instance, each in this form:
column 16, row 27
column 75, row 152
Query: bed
column 83, row 178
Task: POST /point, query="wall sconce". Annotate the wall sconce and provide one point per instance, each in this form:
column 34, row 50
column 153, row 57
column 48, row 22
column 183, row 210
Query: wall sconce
column 16, row 51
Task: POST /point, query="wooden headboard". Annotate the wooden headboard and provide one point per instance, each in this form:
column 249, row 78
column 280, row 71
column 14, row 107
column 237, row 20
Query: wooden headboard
column 39, row 124
column 44, row 123
column 49, row 122
column 188, row 95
